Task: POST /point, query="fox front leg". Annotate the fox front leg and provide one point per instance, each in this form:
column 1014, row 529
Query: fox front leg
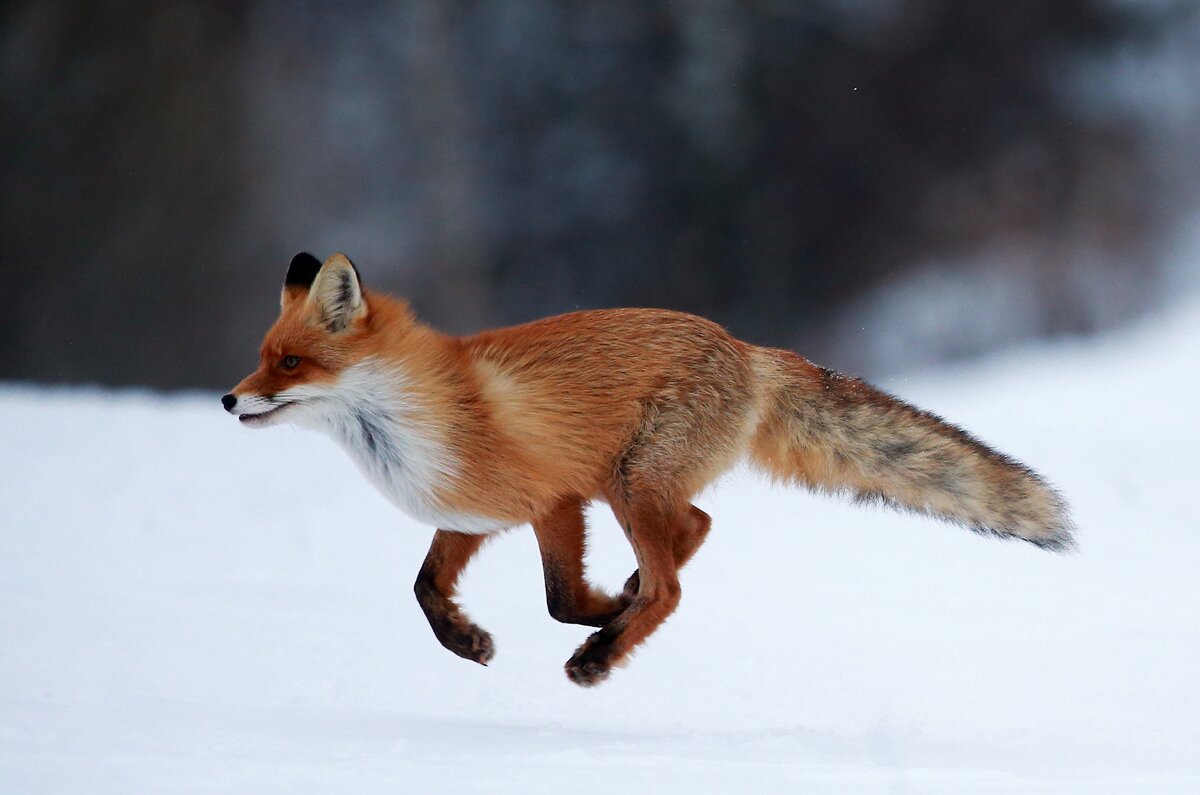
column 448, row 556
column 569, row 597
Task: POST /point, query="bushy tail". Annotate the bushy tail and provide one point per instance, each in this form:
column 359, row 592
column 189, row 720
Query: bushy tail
column 835, row 433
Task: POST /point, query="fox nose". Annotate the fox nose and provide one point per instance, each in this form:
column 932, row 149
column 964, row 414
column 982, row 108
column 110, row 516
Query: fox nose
column 229, row 401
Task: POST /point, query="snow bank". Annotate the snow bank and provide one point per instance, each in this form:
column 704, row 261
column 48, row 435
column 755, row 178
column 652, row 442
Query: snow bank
column 178, row 614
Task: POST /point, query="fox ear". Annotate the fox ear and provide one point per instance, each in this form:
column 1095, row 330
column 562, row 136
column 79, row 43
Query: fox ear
column 299, row 278
column 302, row 271
column 335, row 298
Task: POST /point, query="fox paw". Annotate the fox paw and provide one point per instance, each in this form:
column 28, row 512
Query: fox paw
column 591, row 663
column 471, row 643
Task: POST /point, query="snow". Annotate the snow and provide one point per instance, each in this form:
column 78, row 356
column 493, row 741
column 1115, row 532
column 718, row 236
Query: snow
column 190, row 606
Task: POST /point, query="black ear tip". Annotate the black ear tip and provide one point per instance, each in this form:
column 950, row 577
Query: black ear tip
column 303, row 270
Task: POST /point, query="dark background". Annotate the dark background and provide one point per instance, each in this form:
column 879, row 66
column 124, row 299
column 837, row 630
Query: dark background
column 879, row 184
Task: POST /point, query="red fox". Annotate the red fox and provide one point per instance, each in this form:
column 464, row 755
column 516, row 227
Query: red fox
column 640, row 408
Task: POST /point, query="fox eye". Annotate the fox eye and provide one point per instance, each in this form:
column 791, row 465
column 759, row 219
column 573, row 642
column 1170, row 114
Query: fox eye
column 289, row 362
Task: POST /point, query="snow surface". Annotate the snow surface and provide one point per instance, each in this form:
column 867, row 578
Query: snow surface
column 190, row 606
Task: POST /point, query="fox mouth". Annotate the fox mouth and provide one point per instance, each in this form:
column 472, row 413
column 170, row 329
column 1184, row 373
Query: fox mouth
column 263, row 416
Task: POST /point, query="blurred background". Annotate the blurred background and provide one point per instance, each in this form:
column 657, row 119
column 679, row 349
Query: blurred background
column 880, row 184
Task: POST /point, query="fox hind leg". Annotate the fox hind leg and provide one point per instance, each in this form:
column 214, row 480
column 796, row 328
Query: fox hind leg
column 435, row 586
column 652, row 530
column 684, row 441
column 690, row 533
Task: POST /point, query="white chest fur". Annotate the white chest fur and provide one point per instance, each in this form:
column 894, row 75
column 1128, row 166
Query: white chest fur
column 398, row 444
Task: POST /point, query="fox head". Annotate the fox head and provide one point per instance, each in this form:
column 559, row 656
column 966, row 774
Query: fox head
column 325, row 327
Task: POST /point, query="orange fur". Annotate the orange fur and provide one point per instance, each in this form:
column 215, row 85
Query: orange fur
column 640, row 408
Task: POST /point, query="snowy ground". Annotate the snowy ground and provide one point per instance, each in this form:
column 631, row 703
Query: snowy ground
column 178, row 613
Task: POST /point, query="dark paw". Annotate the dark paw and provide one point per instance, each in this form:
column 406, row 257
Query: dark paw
column 470, row 643
column 590, row 664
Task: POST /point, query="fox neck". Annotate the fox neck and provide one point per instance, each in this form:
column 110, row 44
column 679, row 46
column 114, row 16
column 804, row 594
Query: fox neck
column 382, row 414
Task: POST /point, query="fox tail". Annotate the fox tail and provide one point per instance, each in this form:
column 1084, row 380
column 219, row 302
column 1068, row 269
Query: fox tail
column 834, row 433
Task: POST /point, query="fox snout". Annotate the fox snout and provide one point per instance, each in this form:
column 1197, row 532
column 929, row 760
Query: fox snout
column 259, row 410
